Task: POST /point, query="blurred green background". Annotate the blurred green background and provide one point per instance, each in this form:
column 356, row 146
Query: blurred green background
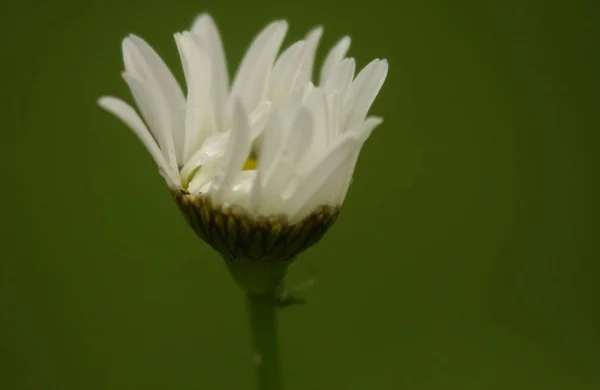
column 466, row 256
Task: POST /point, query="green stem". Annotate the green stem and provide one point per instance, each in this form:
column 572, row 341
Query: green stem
column 263, row 321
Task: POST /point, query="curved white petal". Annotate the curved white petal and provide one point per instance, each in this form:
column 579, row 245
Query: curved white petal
column 286, row 162
column 204, row 27
column 286, row 71
column 364, row 90
column 362, row 133
column 199, row 119
column 252, row 78
column 212, row 149
column 308, row 60
column 316, row 101
column 334, row 110
column 315, row 187
column 334, row 57
column 127, row 114
column 289, row 110
column 169, row 87
column 241, row 187
column 133, row 61
column 238, row 149
column 155, row 112
column 334, row 188
column 258, row 119
column 341, row 77
column 272, row 140
column 145, row 63
column 201, row 181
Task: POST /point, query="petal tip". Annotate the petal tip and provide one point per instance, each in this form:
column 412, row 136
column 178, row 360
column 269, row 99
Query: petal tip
column 384, row 65
column 281, row 24
column 104, row 101
column 317, row 31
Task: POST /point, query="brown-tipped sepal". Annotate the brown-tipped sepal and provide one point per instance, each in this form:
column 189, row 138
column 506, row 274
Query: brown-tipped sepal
column 249, row 242
column 238, row 234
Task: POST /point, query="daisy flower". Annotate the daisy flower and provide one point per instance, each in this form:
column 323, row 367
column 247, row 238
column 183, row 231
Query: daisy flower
column 260, row 166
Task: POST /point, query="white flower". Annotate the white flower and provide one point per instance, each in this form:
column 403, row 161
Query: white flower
column 260, row 167
column 272, row 142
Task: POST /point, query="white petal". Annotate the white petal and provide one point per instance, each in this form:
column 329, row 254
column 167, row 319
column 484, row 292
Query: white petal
column 341, row 77
column 157, row 73
column 333, row 192
column 316, row 101
column 312, row 41
column 133, row 61
column 199, row 120
column 270, row 146
column 252, row 78
column 238, row 149
column 286, row 71
column 334, row 108
column 241, row 188
column 259, row 118
column 362, row 132
column 212, row 149
column 289, row 110
column 286, row 163
column 364, row 90
column 334, row 57
column 128, row 115
column 155, row 111
column 200, row 182
column 205, row 27
column 315, row 187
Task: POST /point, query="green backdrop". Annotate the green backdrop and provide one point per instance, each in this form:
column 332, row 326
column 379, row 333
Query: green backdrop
column 466, row 256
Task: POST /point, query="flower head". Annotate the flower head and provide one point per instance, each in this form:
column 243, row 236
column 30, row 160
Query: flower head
column 261, row 166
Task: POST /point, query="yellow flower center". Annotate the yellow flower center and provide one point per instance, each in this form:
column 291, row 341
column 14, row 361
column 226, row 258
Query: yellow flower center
column 250, row 164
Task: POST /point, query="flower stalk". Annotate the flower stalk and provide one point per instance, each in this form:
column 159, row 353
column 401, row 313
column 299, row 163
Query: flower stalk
column 262, row 310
